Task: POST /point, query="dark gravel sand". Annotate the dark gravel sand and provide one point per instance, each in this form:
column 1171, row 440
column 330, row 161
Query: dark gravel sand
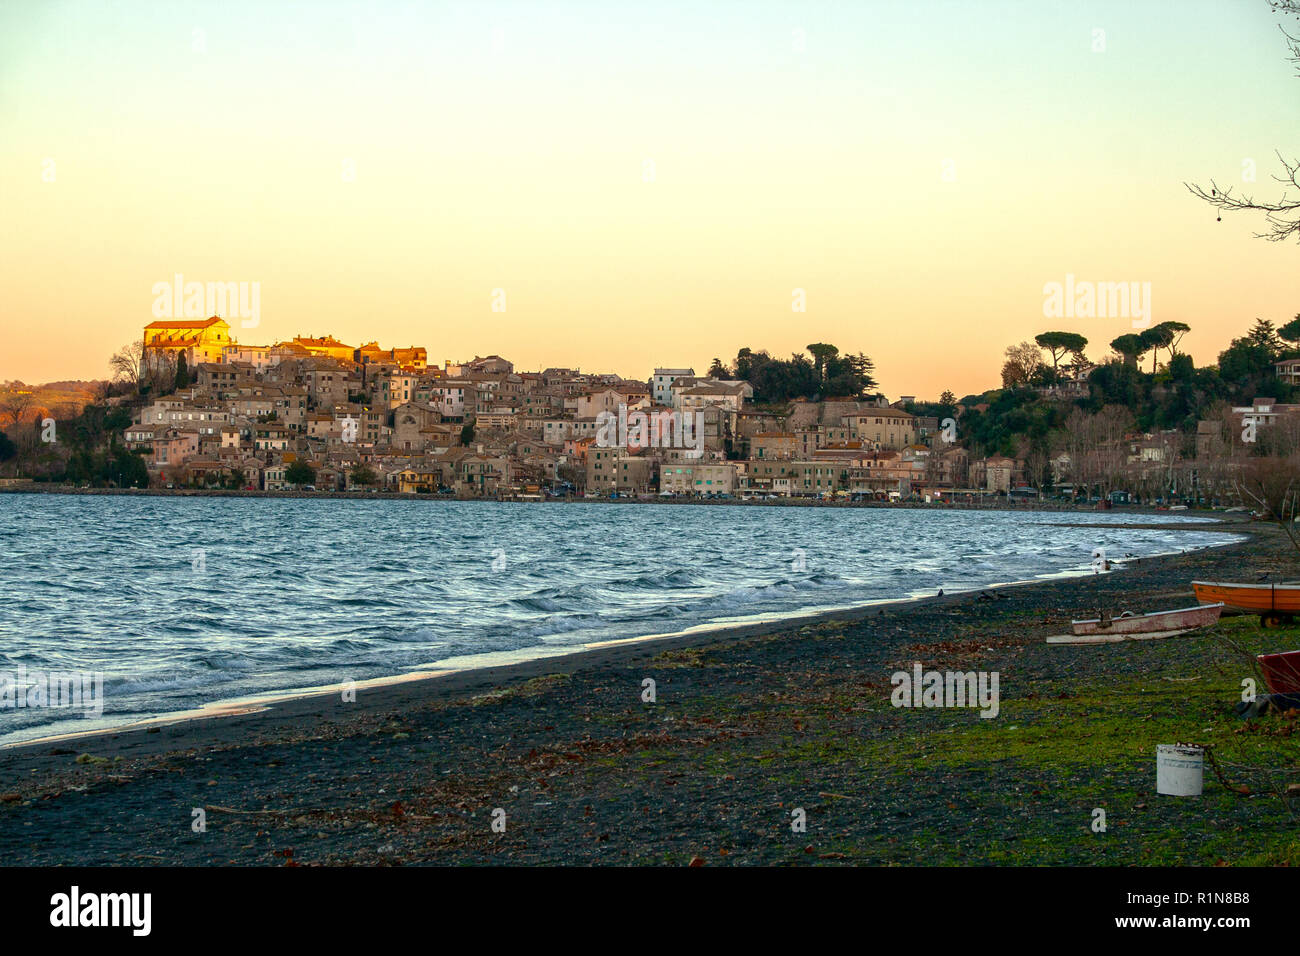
column 747, row 728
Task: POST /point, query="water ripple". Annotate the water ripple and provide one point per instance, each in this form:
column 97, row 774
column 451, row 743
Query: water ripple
column 184, row 601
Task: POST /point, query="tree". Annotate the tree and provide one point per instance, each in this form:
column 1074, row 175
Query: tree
column 140, row 370
column 748, row 362
column 300, row 473
column 1181, row 368
column 1131, row 347
column 1283, row 214
column 126, row 469
column 467, row 434
column 182, row 372
column 1291, row 331
column 363, row 475
column 948, row 399
column 1022, row 361
column 1245, row 366
column 1176, row 332
column 1079, row 364
column 780, row 380
column 1060, row 344
column 1045, row 377
column 849, row 375
column 1271, row 483
column 821, row 353
column 1156, row 338
column 1263, row 334
column 127, row 364
column 572, row 475
column 16, row 404
column 1094, row 443
column 718, row 370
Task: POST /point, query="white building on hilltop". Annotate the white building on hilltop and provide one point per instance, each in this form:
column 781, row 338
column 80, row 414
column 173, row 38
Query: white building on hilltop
column 661, row 385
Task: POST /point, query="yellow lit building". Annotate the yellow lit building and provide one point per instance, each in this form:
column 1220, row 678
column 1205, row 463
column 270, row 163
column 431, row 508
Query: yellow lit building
column 328, row 346
column 201, row 340
column 415, row 357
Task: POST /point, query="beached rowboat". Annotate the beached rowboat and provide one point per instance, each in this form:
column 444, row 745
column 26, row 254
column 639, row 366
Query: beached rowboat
column 1157, row 622
column 1082, row 639
column 1274, row 603
column 1281, row 671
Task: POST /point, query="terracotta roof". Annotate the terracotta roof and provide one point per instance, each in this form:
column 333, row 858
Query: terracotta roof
column 187, row 323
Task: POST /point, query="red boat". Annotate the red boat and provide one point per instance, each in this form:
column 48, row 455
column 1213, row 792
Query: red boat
column 1281, row 671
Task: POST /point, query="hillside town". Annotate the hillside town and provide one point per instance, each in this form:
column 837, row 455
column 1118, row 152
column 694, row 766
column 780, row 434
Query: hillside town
column 317, row 414
column 371, row 417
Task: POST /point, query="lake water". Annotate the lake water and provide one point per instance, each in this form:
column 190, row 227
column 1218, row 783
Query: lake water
column 184, row 601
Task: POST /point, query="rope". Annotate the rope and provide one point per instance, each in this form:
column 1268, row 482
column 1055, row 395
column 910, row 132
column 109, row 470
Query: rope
column 1222, row 778
column 1257, row 769
column 1214, row 765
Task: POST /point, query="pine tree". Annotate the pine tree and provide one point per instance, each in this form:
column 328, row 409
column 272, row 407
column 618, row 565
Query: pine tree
column 1263, row 333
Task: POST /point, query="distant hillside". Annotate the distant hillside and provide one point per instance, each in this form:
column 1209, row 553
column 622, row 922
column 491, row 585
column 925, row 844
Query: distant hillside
column 19, row 400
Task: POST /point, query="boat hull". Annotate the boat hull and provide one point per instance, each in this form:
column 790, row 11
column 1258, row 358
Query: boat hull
column 1260, row 598
column 1281, row 671
column 1081, row 639
column 1181, row 619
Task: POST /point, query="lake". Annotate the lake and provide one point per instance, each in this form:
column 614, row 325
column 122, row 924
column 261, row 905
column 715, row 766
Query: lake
column 184, row 601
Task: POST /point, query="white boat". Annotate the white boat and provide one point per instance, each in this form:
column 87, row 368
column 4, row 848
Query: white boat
column 1140, row 627
column 1181, row 619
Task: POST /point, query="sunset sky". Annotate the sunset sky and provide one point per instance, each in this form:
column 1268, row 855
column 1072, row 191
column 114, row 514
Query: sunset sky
column 505, row 146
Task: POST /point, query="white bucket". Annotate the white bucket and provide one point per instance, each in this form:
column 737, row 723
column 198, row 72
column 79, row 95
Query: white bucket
column 1180, row 770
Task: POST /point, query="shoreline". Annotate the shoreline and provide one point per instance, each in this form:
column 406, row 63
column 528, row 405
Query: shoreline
column 744, row 725
column 523, row 660
column 988, row 501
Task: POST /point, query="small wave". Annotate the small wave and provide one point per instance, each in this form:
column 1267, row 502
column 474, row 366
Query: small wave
column 118, row 687
column 226, row 661
column 420, row 636
column 676, row 578
column 536, row 604
column 557, row 626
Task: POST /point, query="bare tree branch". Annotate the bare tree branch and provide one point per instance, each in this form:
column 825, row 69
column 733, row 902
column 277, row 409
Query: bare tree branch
column 1291, row 7
column 1283, row 216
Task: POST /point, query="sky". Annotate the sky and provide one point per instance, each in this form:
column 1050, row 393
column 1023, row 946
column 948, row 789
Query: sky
column 616, row 186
